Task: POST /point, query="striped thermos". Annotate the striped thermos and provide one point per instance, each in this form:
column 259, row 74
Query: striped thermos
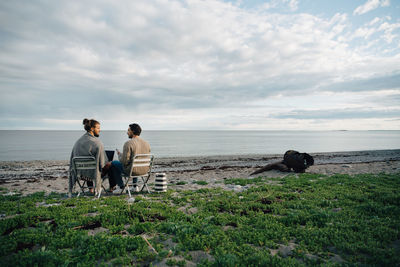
column 161, row 183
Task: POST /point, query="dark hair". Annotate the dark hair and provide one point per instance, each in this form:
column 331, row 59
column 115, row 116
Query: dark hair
column 135, row 128
column 89, row 124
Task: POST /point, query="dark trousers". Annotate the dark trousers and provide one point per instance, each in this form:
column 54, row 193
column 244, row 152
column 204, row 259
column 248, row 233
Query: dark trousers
column 115, row 174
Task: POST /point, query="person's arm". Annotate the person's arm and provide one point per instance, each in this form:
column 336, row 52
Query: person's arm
column 71, row 177
column 119, row 154
column 102, row 157
column 125, row 156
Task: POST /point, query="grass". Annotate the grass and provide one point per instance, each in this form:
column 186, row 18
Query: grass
column 305, row 220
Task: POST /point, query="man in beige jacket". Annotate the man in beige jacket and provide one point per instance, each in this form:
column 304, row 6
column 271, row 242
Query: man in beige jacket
column 136, row 145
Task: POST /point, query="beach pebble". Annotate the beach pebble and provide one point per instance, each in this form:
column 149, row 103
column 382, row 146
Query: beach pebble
column 192, row 210
column 43, row 204
column 311, row 257
column 237, row 188
column 285, row 251
column 337, row 259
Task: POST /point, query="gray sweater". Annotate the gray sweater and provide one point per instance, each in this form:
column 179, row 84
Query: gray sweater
column 88, row 145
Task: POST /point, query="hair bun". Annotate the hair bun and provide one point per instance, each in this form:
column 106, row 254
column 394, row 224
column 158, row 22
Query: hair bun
column 85, row 121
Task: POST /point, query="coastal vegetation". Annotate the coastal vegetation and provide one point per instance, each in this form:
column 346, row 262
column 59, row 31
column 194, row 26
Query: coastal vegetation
column 305, row 219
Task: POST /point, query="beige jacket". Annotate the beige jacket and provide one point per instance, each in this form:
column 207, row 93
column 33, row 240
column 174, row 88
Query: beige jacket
column 132, row 147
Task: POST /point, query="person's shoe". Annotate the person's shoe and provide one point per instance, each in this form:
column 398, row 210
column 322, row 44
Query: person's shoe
column 117, row 191
column 135, row 189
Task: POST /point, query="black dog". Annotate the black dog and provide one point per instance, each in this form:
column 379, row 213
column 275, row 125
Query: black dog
column 299, row 162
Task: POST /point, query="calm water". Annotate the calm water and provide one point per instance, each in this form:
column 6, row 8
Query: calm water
column 57, row 145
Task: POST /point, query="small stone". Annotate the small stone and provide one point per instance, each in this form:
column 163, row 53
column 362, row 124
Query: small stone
column 192, row 210
column 337, row 259
column 238, row 188
column 311, row 257
column 285, row 251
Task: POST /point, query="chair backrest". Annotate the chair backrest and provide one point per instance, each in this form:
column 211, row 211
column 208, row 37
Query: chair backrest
column 83, row 163
column 142, row 160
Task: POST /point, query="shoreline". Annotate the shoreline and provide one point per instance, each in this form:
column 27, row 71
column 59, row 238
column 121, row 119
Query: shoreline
column 184, row 173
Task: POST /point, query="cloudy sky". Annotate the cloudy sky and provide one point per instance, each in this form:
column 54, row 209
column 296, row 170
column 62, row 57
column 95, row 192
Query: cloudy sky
column 234, row 65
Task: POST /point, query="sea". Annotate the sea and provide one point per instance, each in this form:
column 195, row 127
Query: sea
column 24, row 145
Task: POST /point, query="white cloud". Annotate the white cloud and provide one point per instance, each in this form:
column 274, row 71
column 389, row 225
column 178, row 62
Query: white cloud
column 370, row 5
column 381, row 28
column 292, row 5
column 187, row 63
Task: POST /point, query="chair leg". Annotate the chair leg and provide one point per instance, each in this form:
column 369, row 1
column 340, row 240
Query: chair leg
column 129, row 190
column 148, row 191
column 126, row 186
column 101, row 189
column 81, row 187
column 145, row 184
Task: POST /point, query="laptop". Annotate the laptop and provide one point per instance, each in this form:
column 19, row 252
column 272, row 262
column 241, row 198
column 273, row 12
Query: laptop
column 110, row 154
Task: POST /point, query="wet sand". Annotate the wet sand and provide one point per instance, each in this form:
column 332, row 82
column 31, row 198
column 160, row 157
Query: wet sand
column 183, row 172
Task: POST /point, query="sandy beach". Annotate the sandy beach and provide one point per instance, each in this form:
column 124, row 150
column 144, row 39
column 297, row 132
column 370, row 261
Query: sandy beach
column 182, row 173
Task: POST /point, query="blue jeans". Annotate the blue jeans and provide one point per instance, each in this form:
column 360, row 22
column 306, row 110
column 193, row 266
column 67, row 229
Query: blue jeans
column 115, row 174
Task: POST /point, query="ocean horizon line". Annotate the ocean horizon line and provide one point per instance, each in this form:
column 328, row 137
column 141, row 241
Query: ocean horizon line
column 202, row 130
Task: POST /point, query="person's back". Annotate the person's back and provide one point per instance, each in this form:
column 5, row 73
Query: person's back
column 133, row 147
column 89, row 145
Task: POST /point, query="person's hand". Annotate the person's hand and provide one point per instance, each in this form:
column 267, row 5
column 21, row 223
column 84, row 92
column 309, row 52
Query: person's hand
column 105, row 169
column 118, row 152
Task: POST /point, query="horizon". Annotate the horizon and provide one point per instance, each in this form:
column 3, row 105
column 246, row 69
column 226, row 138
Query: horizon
column 199, row 130
column 201, row 64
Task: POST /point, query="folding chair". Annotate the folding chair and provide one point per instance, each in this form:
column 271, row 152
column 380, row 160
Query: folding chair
column 84, row 168
column 140, row 160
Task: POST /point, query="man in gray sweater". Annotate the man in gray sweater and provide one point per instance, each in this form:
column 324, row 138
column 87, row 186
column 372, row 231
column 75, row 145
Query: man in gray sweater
column 136, row 145
column 89, row 145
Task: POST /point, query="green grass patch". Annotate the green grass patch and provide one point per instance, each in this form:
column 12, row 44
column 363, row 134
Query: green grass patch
column 320, row 220
column 244, row 181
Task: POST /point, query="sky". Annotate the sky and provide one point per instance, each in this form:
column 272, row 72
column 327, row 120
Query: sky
column 200, row 65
